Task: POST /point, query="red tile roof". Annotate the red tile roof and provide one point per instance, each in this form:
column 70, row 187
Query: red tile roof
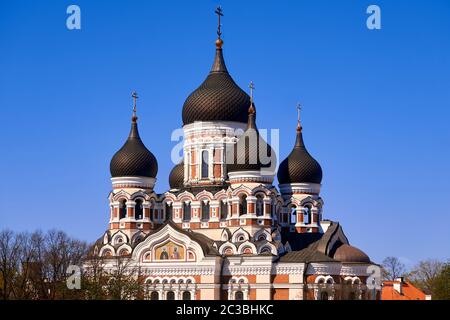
column 409, row 292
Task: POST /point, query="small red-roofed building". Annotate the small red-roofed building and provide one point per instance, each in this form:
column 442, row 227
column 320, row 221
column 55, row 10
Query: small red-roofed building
column 399, row 289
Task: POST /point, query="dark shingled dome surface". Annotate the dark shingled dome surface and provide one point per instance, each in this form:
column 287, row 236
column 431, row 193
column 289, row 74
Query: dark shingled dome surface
column 133, row 159
column 299, row 166
column 218, row 98
column 251, row 152
column 176, row 177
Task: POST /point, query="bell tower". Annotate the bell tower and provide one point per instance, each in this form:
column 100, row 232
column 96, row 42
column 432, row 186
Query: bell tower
column 133, row 168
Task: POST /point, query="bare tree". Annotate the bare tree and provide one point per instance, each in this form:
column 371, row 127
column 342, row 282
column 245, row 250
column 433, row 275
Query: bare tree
column 392, row 268
column 424, row 274
column 10, row 250
column 33, row 266
column 123, row 282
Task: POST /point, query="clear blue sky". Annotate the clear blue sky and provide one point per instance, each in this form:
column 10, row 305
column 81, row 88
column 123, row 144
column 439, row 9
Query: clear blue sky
column 376, row 105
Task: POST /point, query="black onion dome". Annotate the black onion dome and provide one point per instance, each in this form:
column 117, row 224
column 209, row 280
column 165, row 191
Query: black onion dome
column 176, row 177
column 133, row 159
column 246, row 155
column 218, row 98
column 299, row 166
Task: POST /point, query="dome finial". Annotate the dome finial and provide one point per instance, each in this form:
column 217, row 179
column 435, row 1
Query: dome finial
column 135, row 97
column 219, row 41
column 299, row 108
column 251, row 110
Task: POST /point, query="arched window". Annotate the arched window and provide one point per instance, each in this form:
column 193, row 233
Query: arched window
column 138, row 209
column 154, row 295
column 205, row 211
column 168, row 212
column 205, row 165
column 293, row 214
column 186, row 211
column 122, row 209
column 259, row 205
column 239, row 295
column 186, row 295
column 307, row 214
column 324, row 296
column 243, row 205
column 223, row 209
column 170, row 295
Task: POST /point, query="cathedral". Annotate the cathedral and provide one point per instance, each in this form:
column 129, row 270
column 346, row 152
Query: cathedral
column 223, row 231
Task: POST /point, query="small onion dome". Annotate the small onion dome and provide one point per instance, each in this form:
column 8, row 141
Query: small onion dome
column 218, row 98
column 176, row 177
column 347, row 253
column 299, row 166
column 133, row 159
column 251, row 152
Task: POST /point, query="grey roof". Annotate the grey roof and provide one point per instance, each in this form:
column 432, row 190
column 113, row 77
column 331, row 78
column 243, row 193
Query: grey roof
column 310, row 247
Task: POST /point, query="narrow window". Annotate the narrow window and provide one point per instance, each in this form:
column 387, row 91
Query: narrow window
column 138, row 209
column 243, row 205
column 205, row 165
column 205, row 211
column 186, row 211
column 122, row 209
column 293, row 216
column 168, row 212
column 259, row 205
column 307, row 214
column 239, row 295
column 223, row 209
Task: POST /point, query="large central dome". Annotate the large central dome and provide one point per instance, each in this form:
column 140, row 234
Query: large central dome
column 218, row 98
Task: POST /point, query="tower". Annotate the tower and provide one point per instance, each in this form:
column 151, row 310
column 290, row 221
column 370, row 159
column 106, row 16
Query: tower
column 133, row 170
column 300, row 177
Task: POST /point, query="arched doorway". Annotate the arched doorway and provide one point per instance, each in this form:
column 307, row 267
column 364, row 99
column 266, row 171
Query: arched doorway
column 239, row 295
column 154, row 295
column 170, row 295
column 186, row 295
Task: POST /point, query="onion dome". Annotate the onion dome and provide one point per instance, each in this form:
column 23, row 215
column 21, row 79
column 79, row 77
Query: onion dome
column 299, row 166
column 347, row 253
column 218, row 98
column 176, row 177
column 251, row 152
column 133, row 159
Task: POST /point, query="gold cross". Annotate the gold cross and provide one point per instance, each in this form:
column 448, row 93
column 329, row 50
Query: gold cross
column 219, row 13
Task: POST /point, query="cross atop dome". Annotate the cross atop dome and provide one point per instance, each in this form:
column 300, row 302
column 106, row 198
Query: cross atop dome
column 252, row 87
column 135, row 97
column 219, row 13
column 299, row 108
column 219, row 41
